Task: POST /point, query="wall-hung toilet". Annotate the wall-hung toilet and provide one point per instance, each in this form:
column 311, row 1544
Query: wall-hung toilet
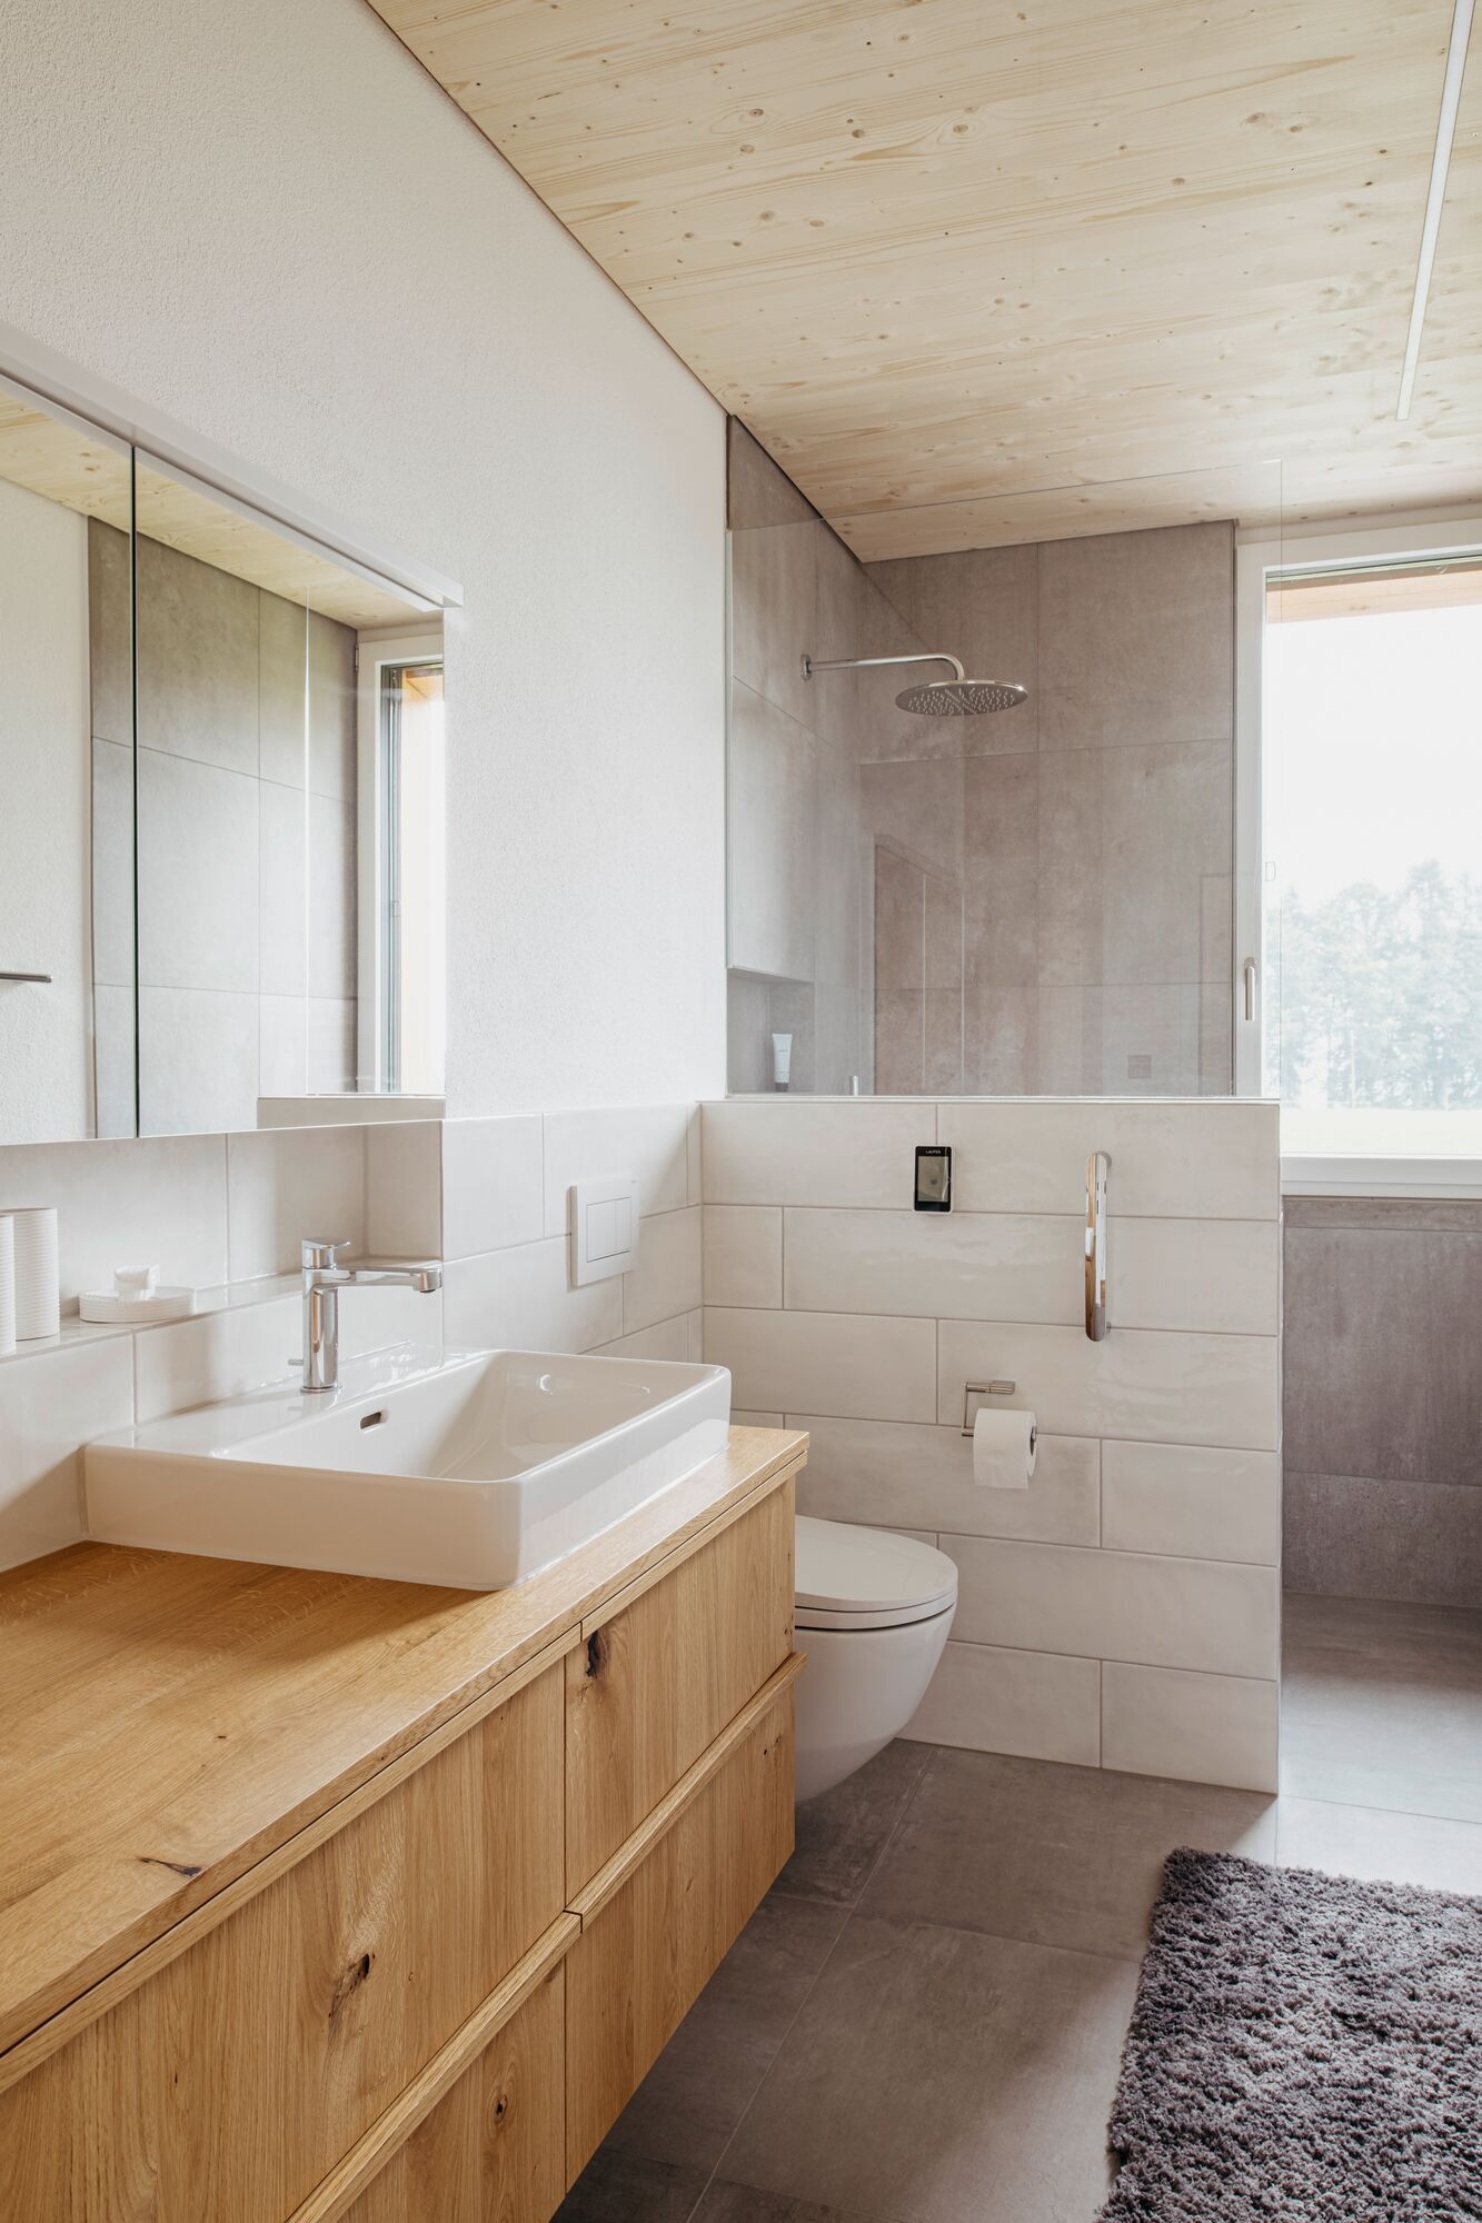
column 872, row 1614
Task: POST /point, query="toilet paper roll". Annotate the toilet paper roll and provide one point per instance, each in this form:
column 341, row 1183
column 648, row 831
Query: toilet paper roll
column 37, row 1309
column 7, row 1286
column 1004, row 1446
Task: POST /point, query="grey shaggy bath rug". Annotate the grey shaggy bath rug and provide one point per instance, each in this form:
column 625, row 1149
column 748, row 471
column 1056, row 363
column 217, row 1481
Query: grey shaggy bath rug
column 1304, row 2049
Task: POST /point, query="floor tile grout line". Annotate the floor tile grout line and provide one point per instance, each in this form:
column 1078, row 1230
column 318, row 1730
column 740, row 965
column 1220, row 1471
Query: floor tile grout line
column 850, row 1913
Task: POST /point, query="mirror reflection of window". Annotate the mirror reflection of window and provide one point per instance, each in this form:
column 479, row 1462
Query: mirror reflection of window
column 402, row 1018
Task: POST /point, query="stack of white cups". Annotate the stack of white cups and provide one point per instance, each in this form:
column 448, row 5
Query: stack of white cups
column 34, row 1250
column 7, row 1286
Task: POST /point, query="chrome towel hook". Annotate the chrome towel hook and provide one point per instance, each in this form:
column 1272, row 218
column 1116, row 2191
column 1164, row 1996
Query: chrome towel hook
column 1098, row 1165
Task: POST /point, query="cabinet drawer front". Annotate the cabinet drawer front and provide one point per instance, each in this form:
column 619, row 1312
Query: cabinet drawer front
column 494, row 2150
column 229, row 2083
column 641, row 1962
column 660, row 1680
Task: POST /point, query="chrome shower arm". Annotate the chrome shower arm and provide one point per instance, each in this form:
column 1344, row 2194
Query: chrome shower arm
column 813, row 664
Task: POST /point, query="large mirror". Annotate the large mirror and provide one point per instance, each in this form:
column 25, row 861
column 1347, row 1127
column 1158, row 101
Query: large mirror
column 221, row 852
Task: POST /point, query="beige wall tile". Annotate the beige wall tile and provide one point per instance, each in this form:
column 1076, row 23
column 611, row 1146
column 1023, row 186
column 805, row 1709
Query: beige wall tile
column 796, row 1152
column 1138, row 1384
column 668, row 1277
column 1212, row 1160
column 49, row 1406
column 958, row 1265
column 221, row 1354
column 519, row 1300
column 1198, row 1728
column 797, row 1361
column 1199, row 1503
column 291, row 1183
column 666, row 1339
column 649, row 1141
column 1117, row 1606
column 743, row 1419
column 1032, row 1704
column 892, row 1475
column 743, row 1255
column 404, row 1189
column 493, row 1184
column 1220, row 1276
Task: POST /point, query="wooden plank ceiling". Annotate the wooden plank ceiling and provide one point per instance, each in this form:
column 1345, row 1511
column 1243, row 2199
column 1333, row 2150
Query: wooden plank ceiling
column 979, row 272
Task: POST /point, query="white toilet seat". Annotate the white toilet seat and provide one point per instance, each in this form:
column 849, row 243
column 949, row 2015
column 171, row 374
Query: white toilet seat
column 868, row 1578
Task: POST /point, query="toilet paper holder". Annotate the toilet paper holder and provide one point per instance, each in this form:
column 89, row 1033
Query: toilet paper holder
column 982, row 1389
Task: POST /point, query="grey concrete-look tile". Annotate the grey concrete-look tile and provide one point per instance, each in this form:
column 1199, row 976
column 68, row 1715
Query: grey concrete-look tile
column 942, row 1011
column 918, row 809
column 282, row 671
column 331, row 860
column 1000, row 865
column 1054, row 1855
column 1380, row 1846
column 743, row 2203
column 774, row 616
column 628, row 2188
column 1000, row 1033
column 198, row 651
column 758, row 491
column 900, row 978
column 113, row 864
column 981, row 606
column 841, row 1834
column 1136, row 640
column 1382, row 1706
column 1166, row 816
column 331, row 712
column 936, row 2076
column 1352, row 1536
column 110, row 633
column 1068, row 886
column 707, row 2076
column 1378, row 1382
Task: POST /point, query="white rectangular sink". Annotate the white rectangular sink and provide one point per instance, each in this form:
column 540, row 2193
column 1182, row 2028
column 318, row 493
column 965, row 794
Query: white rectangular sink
column 469, row 1468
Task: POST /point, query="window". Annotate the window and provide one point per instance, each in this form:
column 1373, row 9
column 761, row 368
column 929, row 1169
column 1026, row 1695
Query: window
column 1370, row 884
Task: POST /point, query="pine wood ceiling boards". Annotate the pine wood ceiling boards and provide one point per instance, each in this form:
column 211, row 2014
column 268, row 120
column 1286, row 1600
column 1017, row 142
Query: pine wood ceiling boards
column 939, row 252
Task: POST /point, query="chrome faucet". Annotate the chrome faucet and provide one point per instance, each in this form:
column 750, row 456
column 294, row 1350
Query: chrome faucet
column 324, row 1278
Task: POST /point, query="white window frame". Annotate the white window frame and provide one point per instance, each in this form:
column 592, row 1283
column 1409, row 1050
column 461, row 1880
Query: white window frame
column 1257, row 554
column 375, row 648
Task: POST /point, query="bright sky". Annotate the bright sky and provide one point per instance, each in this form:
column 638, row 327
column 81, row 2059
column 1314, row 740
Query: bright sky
column 1373, row 748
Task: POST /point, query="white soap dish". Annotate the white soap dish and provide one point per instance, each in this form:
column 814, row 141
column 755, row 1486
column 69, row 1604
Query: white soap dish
column 147, row 1306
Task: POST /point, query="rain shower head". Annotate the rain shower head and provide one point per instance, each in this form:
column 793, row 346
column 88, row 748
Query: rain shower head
column 958, row 697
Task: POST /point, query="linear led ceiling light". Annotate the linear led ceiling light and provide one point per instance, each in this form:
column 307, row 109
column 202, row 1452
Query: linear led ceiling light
column 1456, row 62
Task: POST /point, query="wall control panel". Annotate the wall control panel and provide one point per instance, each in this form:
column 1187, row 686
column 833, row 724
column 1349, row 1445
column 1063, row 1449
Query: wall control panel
column 933, row 1177
column 604, row 1228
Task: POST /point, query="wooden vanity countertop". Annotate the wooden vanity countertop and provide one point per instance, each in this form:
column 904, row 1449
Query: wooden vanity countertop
column 168, row 1722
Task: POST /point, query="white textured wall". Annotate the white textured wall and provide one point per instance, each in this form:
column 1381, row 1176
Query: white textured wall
column 45, row 1042
column 216, row 208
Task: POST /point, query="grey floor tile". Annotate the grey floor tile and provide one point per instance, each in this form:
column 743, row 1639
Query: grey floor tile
column 742, row 2203
column 1054, row 1855
column 1382, row 1705
column 629, row 2188
column 936, row 2076
column 1380, row 1846
column 706, row 2077
column 842, row 1834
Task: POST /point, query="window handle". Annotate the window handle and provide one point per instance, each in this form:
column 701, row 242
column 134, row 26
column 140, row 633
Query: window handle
column 1250, row 991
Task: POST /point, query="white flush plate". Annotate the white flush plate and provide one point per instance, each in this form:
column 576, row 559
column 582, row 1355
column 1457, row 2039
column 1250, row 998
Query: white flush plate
column 604, row 1228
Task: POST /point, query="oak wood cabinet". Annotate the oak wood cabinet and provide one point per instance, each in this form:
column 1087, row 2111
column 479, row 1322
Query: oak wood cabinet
column 429, row 2004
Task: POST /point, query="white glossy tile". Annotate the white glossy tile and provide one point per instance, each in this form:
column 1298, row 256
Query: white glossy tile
column 1194, row 1501
column 668, row 1276
column 198, row 875
column 519, row 1300
column 198, row 1061
column 1139, row 1384
column 1198, row 1728
column 805, row 1361
column 1223, row 1276
column 949, row 1266
column 50, row 1405
column 493, row 1184
column 649, row 1141
column 1031, row 1704
column 403, row 1189
column 376, row 1318
column 1117, row 1605
column 694, row 1157
column 162, row 1201
column 1213, row 1159
column 666, row 1339
column 282, row 1045
column 288, row 1184
column 743, row 1255
column 221, row 1354
column 791, row 1151
column 891, row 1474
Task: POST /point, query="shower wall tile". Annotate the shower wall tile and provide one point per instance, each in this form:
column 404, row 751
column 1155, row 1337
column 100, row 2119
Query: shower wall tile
column 917, row 809
column 900, row 975
column 1000, row 1030
column 1136, row 638
column 759, row 491
column 1070, row 872
column 282, row 680
column 942, row 1009
column 1167, row 827
column 1350, row 1536
column 983, row 607
column 331, row 708
column 1001, row 829
column 113, row 864
column 774, row 616
column 198, row 660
